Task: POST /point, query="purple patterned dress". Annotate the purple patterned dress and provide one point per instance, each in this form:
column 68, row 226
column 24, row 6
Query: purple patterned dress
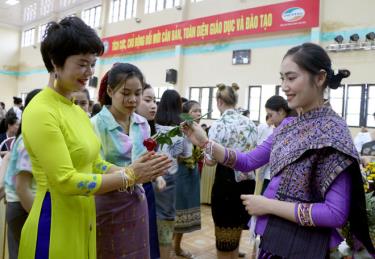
column 314, row 164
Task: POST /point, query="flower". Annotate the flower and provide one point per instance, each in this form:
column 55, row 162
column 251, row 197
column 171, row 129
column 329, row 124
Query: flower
column 150, row 144
column 370, row 176
column 166, row 138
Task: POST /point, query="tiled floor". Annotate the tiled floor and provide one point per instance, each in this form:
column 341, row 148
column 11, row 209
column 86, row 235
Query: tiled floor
column 202, row 243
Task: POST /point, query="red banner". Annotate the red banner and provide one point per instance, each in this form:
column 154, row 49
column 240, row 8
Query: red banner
column 298, row 14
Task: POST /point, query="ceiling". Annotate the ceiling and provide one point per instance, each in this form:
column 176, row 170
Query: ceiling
column 41, row 9
column 11, row 15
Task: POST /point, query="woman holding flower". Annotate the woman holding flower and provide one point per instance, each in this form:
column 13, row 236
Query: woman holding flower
column 167, row 121
column 122, row 216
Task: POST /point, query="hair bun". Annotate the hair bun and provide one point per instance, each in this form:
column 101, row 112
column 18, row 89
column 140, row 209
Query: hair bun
column 235, row 86
column 344, row 73
column 335, row 80
column 221, row 87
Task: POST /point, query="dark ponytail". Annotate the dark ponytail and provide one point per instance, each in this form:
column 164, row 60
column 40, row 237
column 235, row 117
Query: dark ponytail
column 102, row 95
column 334, row 80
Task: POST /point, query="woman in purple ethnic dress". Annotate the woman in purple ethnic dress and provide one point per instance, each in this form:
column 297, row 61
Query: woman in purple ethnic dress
column 316, row 185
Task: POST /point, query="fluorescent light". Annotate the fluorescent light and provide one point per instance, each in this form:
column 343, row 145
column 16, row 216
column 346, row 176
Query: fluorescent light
column 12, row 2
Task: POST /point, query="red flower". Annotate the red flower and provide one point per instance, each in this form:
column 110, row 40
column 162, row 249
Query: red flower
column 150, row 144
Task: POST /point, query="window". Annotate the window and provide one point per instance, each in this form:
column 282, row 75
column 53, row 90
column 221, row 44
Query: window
column 92, row 16
column 254, row 105
column 159, row 92
column 28, row 37
column 370, row 108
column 29, row 13
column 120, row 10
column 152, row 6
column 354, row 105
column 41, row 32
column 23, row 96
column 206, row 96
column 46, row 7
column 336, row 98
column 92, row 93
column 279, row 91
column 64, row 4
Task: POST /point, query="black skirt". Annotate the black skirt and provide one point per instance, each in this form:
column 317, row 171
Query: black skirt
column 227, row 208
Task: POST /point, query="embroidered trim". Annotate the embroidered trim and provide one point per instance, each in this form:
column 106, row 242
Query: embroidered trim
column 305, row 215
column 227, row 238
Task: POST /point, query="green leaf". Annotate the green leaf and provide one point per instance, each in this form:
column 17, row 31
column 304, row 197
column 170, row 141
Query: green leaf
column 174, row 132
column 186, row 117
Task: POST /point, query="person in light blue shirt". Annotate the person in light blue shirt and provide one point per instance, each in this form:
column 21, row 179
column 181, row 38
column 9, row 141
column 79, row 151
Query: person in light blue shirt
column 20, row 189
column 122, row 217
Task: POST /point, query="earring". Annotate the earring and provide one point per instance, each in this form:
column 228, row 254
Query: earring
column 55, row 82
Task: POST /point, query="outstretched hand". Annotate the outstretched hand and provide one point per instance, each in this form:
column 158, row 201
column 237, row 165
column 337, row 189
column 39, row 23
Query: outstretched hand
column 149, row 166
column 195, row 133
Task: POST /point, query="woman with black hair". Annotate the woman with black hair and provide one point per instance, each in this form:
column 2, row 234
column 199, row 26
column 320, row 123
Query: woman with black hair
column 64, row 151
column 147, row 108
column 19, row 188
column 122, row 217
column 188, row 212
column 277, row 110
column 316, row 185
column 167, row 117
column 10, row 124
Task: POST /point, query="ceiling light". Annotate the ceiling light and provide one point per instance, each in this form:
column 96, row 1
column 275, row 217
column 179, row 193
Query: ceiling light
column 339, row 39
column 354, row 37
column 12, row 2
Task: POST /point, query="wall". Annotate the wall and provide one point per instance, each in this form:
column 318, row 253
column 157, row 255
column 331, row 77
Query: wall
column 9, row 53
column 210, row 63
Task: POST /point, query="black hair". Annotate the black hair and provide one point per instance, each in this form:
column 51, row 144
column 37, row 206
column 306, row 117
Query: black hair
column 313, row 58
column 86, row 93
column 2, row 105
column 71, row 36
column 245, row 113
column 151, row 122
column 169, row 109
column 17, row 100
column 147, row 86
column 10, row 119
column 373, row 114
column 184, row 100
column 96, row 108
column 186, row 106
column 28, row 98
column 277, row 103
column 117, row 76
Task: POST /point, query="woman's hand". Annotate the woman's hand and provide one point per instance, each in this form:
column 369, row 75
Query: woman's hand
column 160, row 183
column 256, row 205
column 195, row 133
column 149, row 166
